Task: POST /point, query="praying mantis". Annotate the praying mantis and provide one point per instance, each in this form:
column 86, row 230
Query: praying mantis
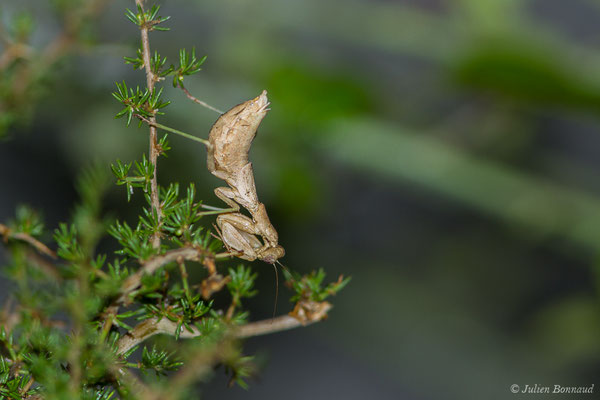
column 228, row 145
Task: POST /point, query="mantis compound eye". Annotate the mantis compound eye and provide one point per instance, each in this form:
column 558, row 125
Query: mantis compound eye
column 273, row 254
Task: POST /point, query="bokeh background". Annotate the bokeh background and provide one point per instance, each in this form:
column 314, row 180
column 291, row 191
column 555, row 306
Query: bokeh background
column 444, row 153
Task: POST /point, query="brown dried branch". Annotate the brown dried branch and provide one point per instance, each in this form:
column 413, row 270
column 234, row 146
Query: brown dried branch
column 281, row 323
column 153, row 326
column 153, row 264
column 39, row 246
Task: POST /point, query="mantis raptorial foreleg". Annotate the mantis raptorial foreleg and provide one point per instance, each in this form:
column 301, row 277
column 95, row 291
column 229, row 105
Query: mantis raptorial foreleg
column 227, row 195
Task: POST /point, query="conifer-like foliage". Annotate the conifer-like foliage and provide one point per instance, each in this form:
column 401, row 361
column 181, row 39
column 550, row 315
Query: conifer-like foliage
column 81, row 325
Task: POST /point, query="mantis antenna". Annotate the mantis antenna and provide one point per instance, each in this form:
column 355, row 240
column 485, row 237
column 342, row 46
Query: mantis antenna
column 277, row 282
column 276, row 290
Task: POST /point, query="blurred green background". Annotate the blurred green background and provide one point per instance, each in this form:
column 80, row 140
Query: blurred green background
column 444, row 153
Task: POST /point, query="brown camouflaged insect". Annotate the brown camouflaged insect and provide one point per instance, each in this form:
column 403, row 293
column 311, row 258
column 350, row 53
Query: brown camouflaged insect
column 229, row 142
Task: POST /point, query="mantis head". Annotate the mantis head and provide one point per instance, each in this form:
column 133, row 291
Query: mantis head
column 272, row 254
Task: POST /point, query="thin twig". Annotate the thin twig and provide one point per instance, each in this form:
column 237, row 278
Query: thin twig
column 153, row 264
column 271, row 325
column 154, row 151
column 27, row 386
column 44, row 265
column 184, row 278
column 153, row 326
column 41, row 247
column 14, row 52
column 131, row 383
column 198, row 101
column 231, row 309
column 172, row 130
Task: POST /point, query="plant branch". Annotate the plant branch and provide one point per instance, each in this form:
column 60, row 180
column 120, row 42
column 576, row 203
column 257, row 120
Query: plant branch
column 153, row 264
column 27, row 386
column 154, row 151
column 14, row 52
column 153, row 326
column 198, row 101
column 41, row 247
column 184, row 278
column 285, row 322
column 47, row 267
column 155, row 124
column 130, row 382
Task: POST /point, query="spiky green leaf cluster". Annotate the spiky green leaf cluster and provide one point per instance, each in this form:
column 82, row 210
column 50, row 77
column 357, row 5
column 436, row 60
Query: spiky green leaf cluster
column 242, row 282
column 310, row 287
column 142, row 103
column 68, row 243
column 136, row 243
column 186, row 313
column 240, row 368
column 27, row 220
column 147, row 18
column 141, row 179
column 182, row 216
column 188, row 65
column 159, row 361
column 11, row 385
